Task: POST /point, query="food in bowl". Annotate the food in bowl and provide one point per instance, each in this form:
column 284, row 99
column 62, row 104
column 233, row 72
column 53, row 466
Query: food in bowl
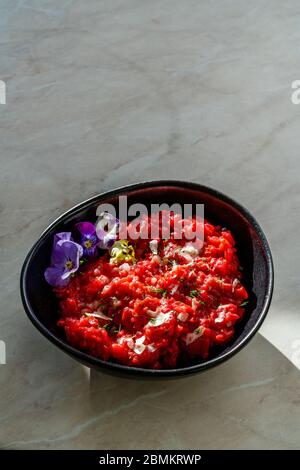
column 149, row 303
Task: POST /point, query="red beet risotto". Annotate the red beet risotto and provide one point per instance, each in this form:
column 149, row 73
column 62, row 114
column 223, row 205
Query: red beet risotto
column 155, row 303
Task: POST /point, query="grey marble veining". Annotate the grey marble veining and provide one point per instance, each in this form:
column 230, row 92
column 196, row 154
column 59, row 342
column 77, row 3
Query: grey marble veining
column 235, row 405
column 101, row 94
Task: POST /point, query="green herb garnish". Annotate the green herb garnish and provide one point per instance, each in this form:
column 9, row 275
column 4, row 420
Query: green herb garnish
column 116, row 329
column 194, row 293
column 172, row 262
column 198, row 330
column 243, row 304
column 158, row 290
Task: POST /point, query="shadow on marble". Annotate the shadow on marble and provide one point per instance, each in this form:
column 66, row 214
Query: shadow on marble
column 248, row 402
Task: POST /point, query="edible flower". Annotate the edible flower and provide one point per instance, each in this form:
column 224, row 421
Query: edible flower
column 122, row 251
column 64, row 260
column 87, row 238
column 106, row 229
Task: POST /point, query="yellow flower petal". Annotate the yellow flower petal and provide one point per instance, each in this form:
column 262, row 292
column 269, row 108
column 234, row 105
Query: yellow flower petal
column 122, row 251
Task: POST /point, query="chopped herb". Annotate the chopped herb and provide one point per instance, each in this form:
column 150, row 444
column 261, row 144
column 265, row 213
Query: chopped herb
column 172, row 262
column 112, row 329
column 158, row 290
column 198, row 330
column 194, row 293
column 116, row 329
column 202, row 302
column 82, row 261
column 243, row 304
column 152, row 320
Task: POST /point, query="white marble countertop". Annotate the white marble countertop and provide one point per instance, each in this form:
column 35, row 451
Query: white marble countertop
column 101, row 94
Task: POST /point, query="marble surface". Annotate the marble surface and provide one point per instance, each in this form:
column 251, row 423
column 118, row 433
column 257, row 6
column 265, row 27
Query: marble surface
column 234, row 406
column 101, row 94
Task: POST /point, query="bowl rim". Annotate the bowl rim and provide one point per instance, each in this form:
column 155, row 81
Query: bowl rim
column 136, row 371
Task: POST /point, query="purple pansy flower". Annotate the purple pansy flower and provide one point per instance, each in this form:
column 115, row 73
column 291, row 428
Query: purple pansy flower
column 64, row 260
column 107, row 229
column 87, row 238
column 57, row 238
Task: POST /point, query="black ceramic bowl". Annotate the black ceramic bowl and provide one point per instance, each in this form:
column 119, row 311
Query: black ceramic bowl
column 253, row 250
